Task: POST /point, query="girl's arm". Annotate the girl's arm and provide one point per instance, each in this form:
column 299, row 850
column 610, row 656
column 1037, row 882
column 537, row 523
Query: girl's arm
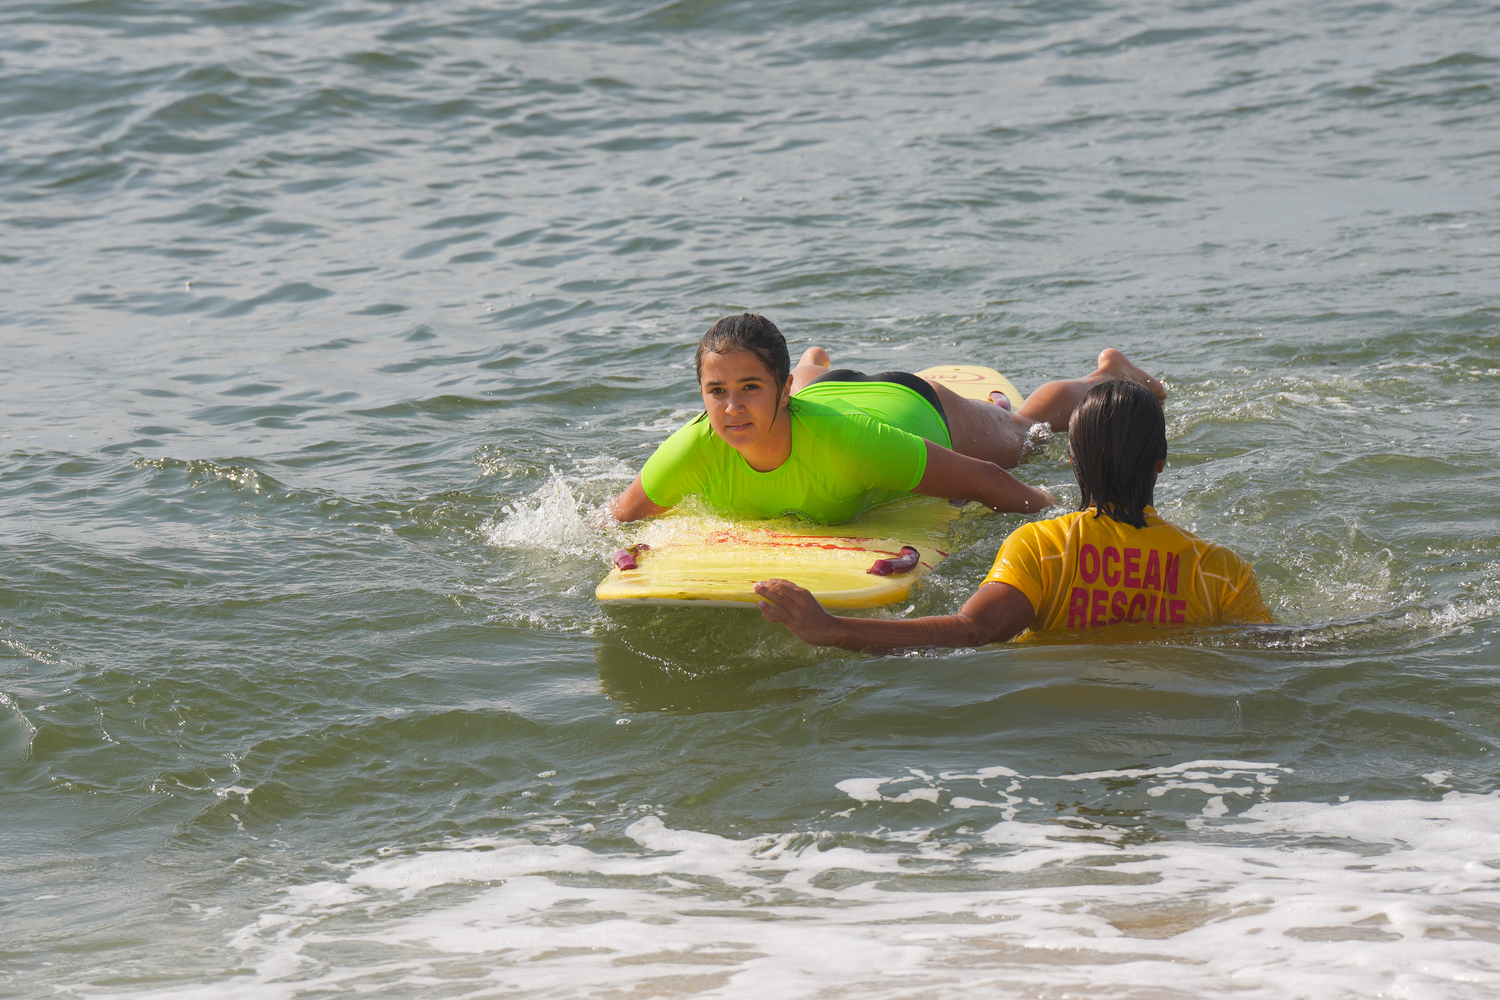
column 995, row 613
column 633, row 504
column 958, row 477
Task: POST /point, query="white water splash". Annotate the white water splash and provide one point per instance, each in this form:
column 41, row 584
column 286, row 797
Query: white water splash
column 1037, row 437
column 554, row 519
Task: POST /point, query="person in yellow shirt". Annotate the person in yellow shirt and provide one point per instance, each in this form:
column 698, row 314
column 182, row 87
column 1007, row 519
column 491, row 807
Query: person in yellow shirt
column 1111, row 562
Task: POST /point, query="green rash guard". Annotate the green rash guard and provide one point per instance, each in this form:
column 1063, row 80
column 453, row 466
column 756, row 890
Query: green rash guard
column 888, row 402
column 843, row 462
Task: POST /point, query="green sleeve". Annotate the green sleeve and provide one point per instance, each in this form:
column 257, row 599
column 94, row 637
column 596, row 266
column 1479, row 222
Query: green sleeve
column 677, row 467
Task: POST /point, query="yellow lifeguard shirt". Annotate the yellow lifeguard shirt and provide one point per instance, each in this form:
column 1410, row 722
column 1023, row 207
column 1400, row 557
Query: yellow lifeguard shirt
column 1083, row 571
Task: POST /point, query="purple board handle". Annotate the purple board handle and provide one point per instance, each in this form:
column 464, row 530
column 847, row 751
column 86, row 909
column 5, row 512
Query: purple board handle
column 625, row 558
column 904, row 563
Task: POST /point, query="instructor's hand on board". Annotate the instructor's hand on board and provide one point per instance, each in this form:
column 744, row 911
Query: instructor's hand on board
column 791, row 605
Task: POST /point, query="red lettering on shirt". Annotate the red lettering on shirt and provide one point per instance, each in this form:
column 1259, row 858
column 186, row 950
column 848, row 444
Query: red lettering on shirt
column 1110, row 552
column 1117, row 607
column 1174, row 559
column 1137, row 603
column 1078, row 608
column 1177, row 609
column 1089, row 572
column 1132, row 569
column 1152, row 579
column 1097, row 607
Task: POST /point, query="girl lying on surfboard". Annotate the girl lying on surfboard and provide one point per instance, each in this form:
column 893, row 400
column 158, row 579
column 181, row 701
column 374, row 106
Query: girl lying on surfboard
column 829, row 445
column 1111, row 562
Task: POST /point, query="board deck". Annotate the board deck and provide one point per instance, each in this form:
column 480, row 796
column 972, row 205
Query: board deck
column 704, row 561
column 975, row 382
column 707, row 561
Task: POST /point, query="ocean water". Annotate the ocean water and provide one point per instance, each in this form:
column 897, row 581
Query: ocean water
column 329, row 325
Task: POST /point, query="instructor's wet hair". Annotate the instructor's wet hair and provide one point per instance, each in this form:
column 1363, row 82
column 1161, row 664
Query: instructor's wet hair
column 1115, row 438
column 748, row 332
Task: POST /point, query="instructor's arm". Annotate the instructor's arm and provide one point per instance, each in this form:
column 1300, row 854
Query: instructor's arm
column 997, row 612
column 958, row 477
column 634, row 504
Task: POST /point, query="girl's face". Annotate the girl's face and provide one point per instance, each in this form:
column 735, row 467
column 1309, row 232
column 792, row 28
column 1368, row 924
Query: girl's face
column 740, row 397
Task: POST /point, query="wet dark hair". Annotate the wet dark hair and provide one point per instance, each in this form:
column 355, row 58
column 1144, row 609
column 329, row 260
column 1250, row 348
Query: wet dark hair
column 1115, row 438
column 748, row 332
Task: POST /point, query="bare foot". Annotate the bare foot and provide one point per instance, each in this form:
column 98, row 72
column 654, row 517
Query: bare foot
column 818, row 356
column 1113, row 364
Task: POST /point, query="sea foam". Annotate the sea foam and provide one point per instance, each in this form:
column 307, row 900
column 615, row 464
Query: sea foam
column 1282, row 899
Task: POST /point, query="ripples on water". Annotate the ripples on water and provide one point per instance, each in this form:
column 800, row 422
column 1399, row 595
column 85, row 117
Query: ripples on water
column 328, row 327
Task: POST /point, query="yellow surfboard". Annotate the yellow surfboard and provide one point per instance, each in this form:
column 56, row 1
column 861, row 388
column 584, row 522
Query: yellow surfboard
column 706, row 561
column 975, row 382
column 703, row 561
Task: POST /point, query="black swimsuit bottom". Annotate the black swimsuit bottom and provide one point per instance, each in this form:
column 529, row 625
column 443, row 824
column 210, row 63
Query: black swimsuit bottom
column 915, row 383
